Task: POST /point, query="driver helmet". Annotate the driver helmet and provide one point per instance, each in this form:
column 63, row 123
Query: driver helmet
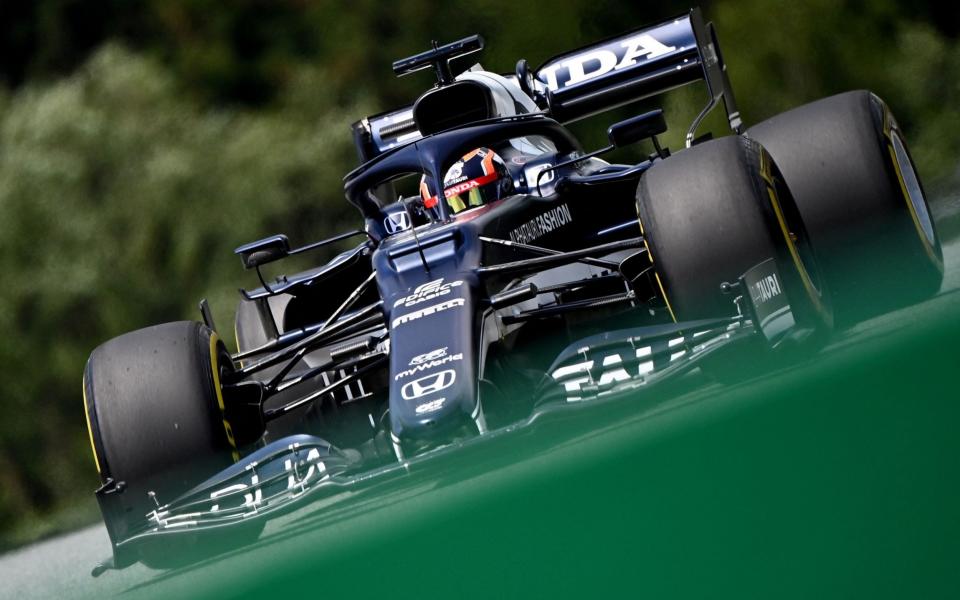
column 480, row 177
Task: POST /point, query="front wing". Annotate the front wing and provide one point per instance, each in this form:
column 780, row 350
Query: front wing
column 615, row 366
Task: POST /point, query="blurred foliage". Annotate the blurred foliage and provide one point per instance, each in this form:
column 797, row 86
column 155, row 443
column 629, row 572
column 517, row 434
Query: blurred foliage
column 120, row 204
column 140, row 142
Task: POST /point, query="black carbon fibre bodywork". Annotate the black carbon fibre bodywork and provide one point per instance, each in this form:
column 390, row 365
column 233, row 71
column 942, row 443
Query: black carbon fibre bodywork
column 442, row 328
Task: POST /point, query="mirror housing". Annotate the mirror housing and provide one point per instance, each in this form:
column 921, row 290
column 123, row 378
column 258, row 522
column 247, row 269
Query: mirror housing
column 263, row 251
column 634, row 129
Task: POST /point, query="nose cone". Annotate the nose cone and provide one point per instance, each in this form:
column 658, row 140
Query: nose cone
column 433, row 357
column 431, row 296
column 433, row 404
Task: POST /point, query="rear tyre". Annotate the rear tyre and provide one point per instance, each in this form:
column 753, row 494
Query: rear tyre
column 155, row 416
column 847, row 164
column 712, row 212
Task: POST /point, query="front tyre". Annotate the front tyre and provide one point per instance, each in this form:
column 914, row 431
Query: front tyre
column 847, row 164
column 709, row 214
column 155, row 417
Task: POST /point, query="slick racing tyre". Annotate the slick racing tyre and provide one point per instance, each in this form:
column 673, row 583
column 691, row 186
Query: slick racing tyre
column 709, row 214
column 847, row 164
column 155, row 418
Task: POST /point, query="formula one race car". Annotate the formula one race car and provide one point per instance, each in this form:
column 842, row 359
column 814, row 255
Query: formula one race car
column 502, row 273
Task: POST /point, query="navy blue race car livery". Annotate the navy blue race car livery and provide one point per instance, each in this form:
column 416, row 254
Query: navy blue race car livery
column 502, row 273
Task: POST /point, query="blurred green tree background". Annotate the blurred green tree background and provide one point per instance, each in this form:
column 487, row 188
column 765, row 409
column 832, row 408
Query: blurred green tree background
column 140, row 142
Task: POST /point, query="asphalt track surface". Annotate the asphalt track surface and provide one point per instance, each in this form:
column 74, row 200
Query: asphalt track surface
column 839, row 477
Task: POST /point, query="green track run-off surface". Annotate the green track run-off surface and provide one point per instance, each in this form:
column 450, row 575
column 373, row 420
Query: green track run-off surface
column 839, row 478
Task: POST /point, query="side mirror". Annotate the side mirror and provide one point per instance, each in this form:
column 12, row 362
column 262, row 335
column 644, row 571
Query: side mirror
column 263, row 251
column 637, row 128
column 624, row 133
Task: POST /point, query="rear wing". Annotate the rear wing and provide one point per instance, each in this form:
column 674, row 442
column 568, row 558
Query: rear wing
column 638, row 64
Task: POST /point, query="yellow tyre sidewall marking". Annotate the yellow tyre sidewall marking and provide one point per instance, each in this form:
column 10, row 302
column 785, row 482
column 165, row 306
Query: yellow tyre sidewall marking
column 214, row 364
column 86, row 414
column 767, row 175
column 236, row 339
column 888, row 123
column 656, row 275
